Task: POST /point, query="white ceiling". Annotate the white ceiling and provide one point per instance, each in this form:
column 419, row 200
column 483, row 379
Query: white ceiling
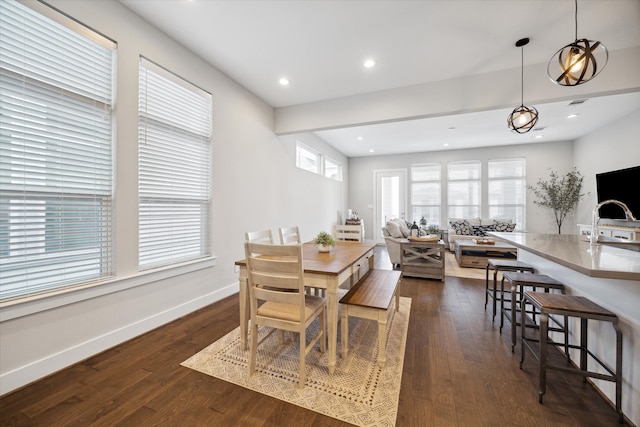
column 321, row 45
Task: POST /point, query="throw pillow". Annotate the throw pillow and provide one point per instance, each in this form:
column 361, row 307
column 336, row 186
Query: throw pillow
column 462, row 228
column 481, row 230
column 503, row 226
column 394, row 230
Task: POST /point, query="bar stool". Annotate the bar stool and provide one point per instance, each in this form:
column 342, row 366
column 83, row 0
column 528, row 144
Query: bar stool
column 518, row 282
column 501, row 265
column 585, row 309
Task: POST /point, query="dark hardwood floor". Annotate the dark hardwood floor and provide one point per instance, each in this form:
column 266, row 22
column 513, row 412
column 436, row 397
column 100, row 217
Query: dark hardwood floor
column 458, row 371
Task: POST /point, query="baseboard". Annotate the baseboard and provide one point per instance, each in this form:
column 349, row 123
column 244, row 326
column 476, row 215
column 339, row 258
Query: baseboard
column 44, row 367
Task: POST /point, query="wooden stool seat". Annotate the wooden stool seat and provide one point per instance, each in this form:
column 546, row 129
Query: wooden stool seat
column 518, row 282
column 585, row 309
column 501, row 265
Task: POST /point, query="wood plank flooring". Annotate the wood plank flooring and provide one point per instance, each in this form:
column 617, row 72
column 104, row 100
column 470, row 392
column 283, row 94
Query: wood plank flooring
column 458, row 371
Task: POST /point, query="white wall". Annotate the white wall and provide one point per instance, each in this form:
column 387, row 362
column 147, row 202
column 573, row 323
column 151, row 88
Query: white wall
column 255, row 186
column 540, row 159
column 612, row 147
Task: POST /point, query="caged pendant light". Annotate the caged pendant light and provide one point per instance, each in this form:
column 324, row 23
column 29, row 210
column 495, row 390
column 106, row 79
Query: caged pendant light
column 522, row 119
column 577, row 62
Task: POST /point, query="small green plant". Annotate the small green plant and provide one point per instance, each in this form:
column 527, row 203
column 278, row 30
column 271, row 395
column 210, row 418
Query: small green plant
column 561, row 194
column 325, row 239
column 433, row 229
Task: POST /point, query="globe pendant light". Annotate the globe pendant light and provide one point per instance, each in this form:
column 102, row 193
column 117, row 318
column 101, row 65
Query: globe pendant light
column 577, row 62
column 522, row 119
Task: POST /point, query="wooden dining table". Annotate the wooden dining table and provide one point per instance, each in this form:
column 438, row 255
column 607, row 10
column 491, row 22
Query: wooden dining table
column 346, row 263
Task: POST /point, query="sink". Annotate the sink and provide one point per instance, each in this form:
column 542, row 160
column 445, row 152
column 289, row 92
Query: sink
column 633, row 245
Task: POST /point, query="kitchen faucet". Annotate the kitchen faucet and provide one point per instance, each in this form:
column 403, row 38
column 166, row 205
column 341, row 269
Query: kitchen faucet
column 593, row 238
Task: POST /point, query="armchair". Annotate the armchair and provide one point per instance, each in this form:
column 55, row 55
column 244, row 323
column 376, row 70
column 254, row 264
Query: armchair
column 395, row 232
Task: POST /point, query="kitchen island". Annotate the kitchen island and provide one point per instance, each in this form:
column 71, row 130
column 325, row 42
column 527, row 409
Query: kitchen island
column 609, row 276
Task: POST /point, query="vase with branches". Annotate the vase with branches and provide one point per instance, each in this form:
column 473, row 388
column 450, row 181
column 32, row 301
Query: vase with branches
column 559, row 193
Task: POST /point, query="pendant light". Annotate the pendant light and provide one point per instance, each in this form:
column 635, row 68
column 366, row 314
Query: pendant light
column 577, row 62
column 522, row 119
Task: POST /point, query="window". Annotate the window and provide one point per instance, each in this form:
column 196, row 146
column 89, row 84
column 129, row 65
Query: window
column 56, row 153
column 174, row 168
column 332, row 169
column 463, row 191
column 425, row 192
column 507, row 190
column 307, row 159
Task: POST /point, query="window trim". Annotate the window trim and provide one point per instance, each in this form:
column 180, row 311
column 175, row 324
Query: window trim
column 186, row 191
column 304, row 147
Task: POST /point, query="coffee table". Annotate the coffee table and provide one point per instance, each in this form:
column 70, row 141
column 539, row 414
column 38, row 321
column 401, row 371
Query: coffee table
column 470, row 254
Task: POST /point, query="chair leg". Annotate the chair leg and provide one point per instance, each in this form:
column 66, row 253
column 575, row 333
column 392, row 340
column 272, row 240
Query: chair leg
column 253, row 349
column 303, row 357
column 486, row 288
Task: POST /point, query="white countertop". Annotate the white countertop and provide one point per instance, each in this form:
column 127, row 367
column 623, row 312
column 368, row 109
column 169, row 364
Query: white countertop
column 573, row 251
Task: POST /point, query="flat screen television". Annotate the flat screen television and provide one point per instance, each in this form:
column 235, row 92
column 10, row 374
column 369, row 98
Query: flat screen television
column 622, row 185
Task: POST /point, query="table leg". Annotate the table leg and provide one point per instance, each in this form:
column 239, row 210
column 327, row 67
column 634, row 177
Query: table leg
column 332, row 317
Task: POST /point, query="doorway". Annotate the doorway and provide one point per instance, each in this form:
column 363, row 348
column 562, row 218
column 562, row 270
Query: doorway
column 389, row 198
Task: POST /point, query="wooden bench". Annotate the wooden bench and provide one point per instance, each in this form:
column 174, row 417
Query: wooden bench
column 371, row 298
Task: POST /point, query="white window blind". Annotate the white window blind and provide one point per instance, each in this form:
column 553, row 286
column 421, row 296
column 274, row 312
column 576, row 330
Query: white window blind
column 425, row 192
column 174, row 167
column 55, row 154
column 507, row 190
column 463, row 190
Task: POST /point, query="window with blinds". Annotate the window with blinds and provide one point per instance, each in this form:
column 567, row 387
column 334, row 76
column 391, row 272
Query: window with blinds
column 56, row 170
column 174, row 168
column 507, row 190
column 425, row 192
column 464, row 189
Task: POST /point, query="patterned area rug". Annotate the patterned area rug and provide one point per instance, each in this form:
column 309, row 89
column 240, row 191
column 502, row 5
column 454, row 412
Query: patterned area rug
column 359, row 392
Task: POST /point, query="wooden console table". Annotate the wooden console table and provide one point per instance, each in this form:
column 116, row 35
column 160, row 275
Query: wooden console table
column 422, row 259
column 470, row 254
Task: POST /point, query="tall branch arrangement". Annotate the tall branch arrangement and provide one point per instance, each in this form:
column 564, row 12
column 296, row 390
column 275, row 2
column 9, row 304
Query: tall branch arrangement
column 561, row 194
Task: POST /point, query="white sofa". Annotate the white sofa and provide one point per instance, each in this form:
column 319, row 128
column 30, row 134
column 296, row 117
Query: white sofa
column 472, row 228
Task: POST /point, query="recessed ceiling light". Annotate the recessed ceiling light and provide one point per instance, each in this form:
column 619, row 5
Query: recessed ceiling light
column 284, row 81
column 446, row 144
column 369, row 63
column 539, row 136
column 371, row 150
column 571, row 116
column 360, row 138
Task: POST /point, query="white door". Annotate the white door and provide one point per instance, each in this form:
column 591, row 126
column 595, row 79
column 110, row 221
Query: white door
column 389, row 198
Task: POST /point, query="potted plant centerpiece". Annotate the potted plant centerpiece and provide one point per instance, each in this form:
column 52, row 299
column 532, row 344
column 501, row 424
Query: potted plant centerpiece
column 324, row 241
column 433, row 230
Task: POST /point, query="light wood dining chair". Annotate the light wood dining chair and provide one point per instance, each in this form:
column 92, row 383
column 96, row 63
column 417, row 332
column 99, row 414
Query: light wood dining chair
column 278, row 300
column 263, row 236
column 289, row 235
column 347, row 232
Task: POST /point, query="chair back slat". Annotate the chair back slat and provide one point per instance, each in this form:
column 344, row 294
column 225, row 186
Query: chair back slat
column 263, row 236
column 278, row 267
column 289, row 235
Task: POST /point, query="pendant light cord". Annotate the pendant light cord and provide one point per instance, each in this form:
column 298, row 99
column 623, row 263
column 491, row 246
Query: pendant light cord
column 522, row 75
column 576, row 19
